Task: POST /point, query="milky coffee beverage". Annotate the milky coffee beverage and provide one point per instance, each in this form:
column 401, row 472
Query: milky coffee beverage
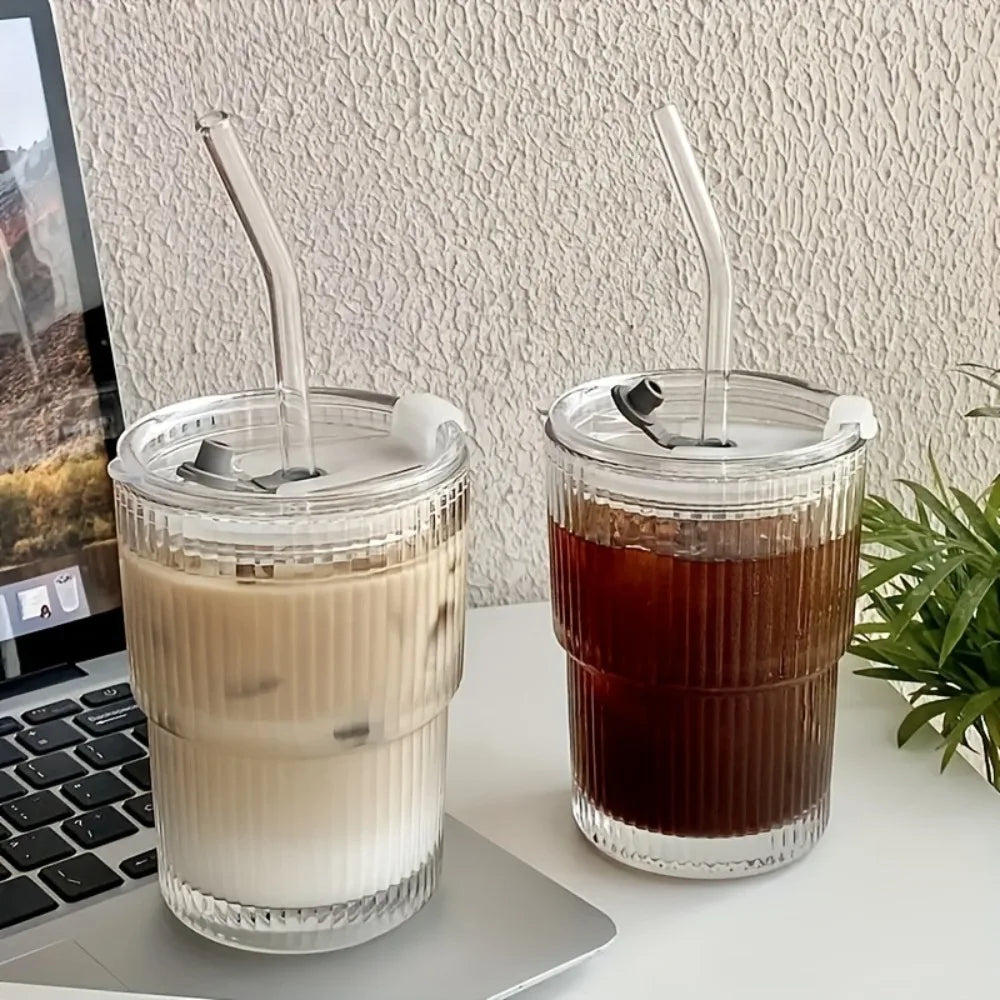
column 295, row 653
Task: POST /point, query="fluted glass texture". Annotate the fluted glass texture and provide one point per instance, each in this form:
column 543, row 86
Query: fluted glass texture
column 296, row 668
column 703, row 625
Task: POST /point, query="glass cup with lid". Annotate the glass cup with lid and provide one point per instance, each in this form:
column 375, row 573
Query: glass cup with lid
column 704, row 595
column 295, row 646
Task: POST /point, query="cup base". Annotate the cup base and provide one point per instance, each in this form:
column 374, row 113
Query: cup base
column 700, row 857
column 301, row 930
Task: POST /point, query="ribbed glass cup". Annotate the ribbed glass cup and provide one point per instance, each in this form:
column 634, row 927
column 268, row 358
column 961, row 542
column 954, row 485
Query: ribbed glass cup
column 703, row 605
column 296, row 659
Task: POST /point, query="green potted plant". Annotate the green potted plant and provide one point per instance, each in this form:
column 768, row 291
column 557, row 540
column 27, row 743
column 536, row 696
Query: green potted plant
column 932, row 603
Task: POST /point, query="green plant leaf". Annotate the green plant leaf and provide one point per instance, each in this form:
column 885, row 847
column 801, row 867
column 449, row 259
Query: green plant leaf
column 894, row 542
column 922, row 714
column 869, row 651
column 887, row 674
column 940, row 510
column 871, row 628
column 973, row 374
column 875, row 500
column 912, row 536
column 976, row 366
column 922, row 640
column 936, row 473
column 989, row 614
column 921, row 593
column 973, row 709
column 991, row 741
column 881, row 605
column 991, row 515
column 896, row 654
column 939, row 689
column 967, row 676
column 880, row 509
column 965, row 608
column 977, row 519
column 889, row 568
column 951, row 748
column 934, row 617
column 993, row 499
column 932, row 578
column 991, row 757
column 951, row 716
column 990, row 652
column 975, row 706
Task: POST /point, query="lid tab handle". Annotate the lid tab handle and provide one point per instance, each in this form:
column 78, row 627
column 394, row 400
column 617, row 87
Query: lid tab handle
column 416, row 419
column 851, row 410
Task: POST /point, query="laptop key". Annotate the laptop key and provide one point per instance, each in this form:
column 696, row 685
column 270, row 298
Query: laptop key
column 9, row 788
column 21, row 899
column 49, row 737
column 141, row 733
column 32, row 850
column 138, row 773
column 9, row 754
column 140, row 865
column 113, row 719
column 95, row 790
column 80, row 877
column 8, row 725
column 141, row 808
column 53, row 768
column 109, row 751
column 39, row 809
column 100, row 826
column 56, row 710
column 4, row 832
column 4, row 873
column 106, row 695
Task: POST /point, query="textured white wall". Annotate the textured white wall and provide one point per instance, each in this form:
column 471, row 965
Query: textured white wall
column 477, row 207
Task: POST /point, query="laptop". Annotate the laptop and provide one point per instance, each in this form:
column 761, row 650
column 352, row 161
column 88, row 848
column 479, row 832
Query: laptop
column 79, row 900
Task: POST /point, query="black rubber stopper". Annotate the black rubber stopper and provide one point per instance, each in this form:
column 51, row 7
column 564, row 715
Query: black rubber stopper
column 644, row 397
column 637, row 402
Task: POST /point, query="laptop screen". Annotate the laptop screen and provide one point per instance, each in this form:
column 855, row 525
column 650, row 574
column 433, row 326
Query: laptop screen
column 59, row 412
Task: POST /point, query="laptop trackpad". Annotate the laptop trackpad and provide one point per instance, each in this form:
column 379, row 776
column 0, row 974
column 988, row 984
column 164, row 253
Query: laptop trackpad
column 63, row 964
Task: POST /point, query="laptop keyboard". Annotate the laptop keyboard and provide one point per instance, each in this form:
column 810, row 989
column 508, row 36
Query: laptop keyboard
column 73, row 776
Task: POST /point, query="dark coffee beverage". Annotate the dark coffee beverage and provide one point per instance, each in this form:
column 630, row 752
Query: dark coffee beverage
column 702, row 665
column 704, row 595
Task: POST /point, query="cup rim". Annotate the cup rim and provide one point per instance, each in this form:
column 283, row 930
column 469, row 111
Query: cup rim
column 131, row 471
column 561, row 431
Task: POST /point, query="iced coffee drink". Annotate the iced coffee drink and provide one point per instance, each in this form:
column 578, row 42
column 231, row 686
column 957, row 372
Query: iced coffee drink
column 704, row 596
column 710, row 714
column 296, row 657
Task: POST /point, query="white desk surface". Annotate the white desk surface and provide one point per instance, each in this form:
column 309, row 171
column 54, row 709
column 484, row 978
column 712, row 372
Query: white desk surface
column 901, row 897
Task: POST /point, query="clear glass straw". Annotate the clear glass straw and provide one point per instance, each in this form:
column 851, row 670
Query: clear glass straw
column 290, row 380
column 719, row 279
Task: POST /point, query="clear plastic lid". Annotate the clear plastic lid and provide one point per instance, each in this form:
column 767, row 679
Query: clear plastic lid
column 781, row 431
column 216, row 455
column 775, row 424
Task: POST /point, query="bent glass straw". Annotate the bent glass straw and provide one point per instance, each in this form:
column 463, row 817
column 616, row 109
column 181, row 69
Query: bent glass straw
column 291, row 386
column 719, row 292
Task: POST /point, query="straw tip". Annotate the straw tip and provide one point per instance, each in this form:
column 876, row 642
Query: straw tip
column 210, row 120
column 667, row 114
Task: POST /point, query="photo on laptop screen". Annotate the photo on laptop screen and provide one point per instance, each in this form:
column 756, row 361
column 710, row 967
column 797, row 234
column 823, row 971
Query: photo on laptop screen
column 58, row 559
